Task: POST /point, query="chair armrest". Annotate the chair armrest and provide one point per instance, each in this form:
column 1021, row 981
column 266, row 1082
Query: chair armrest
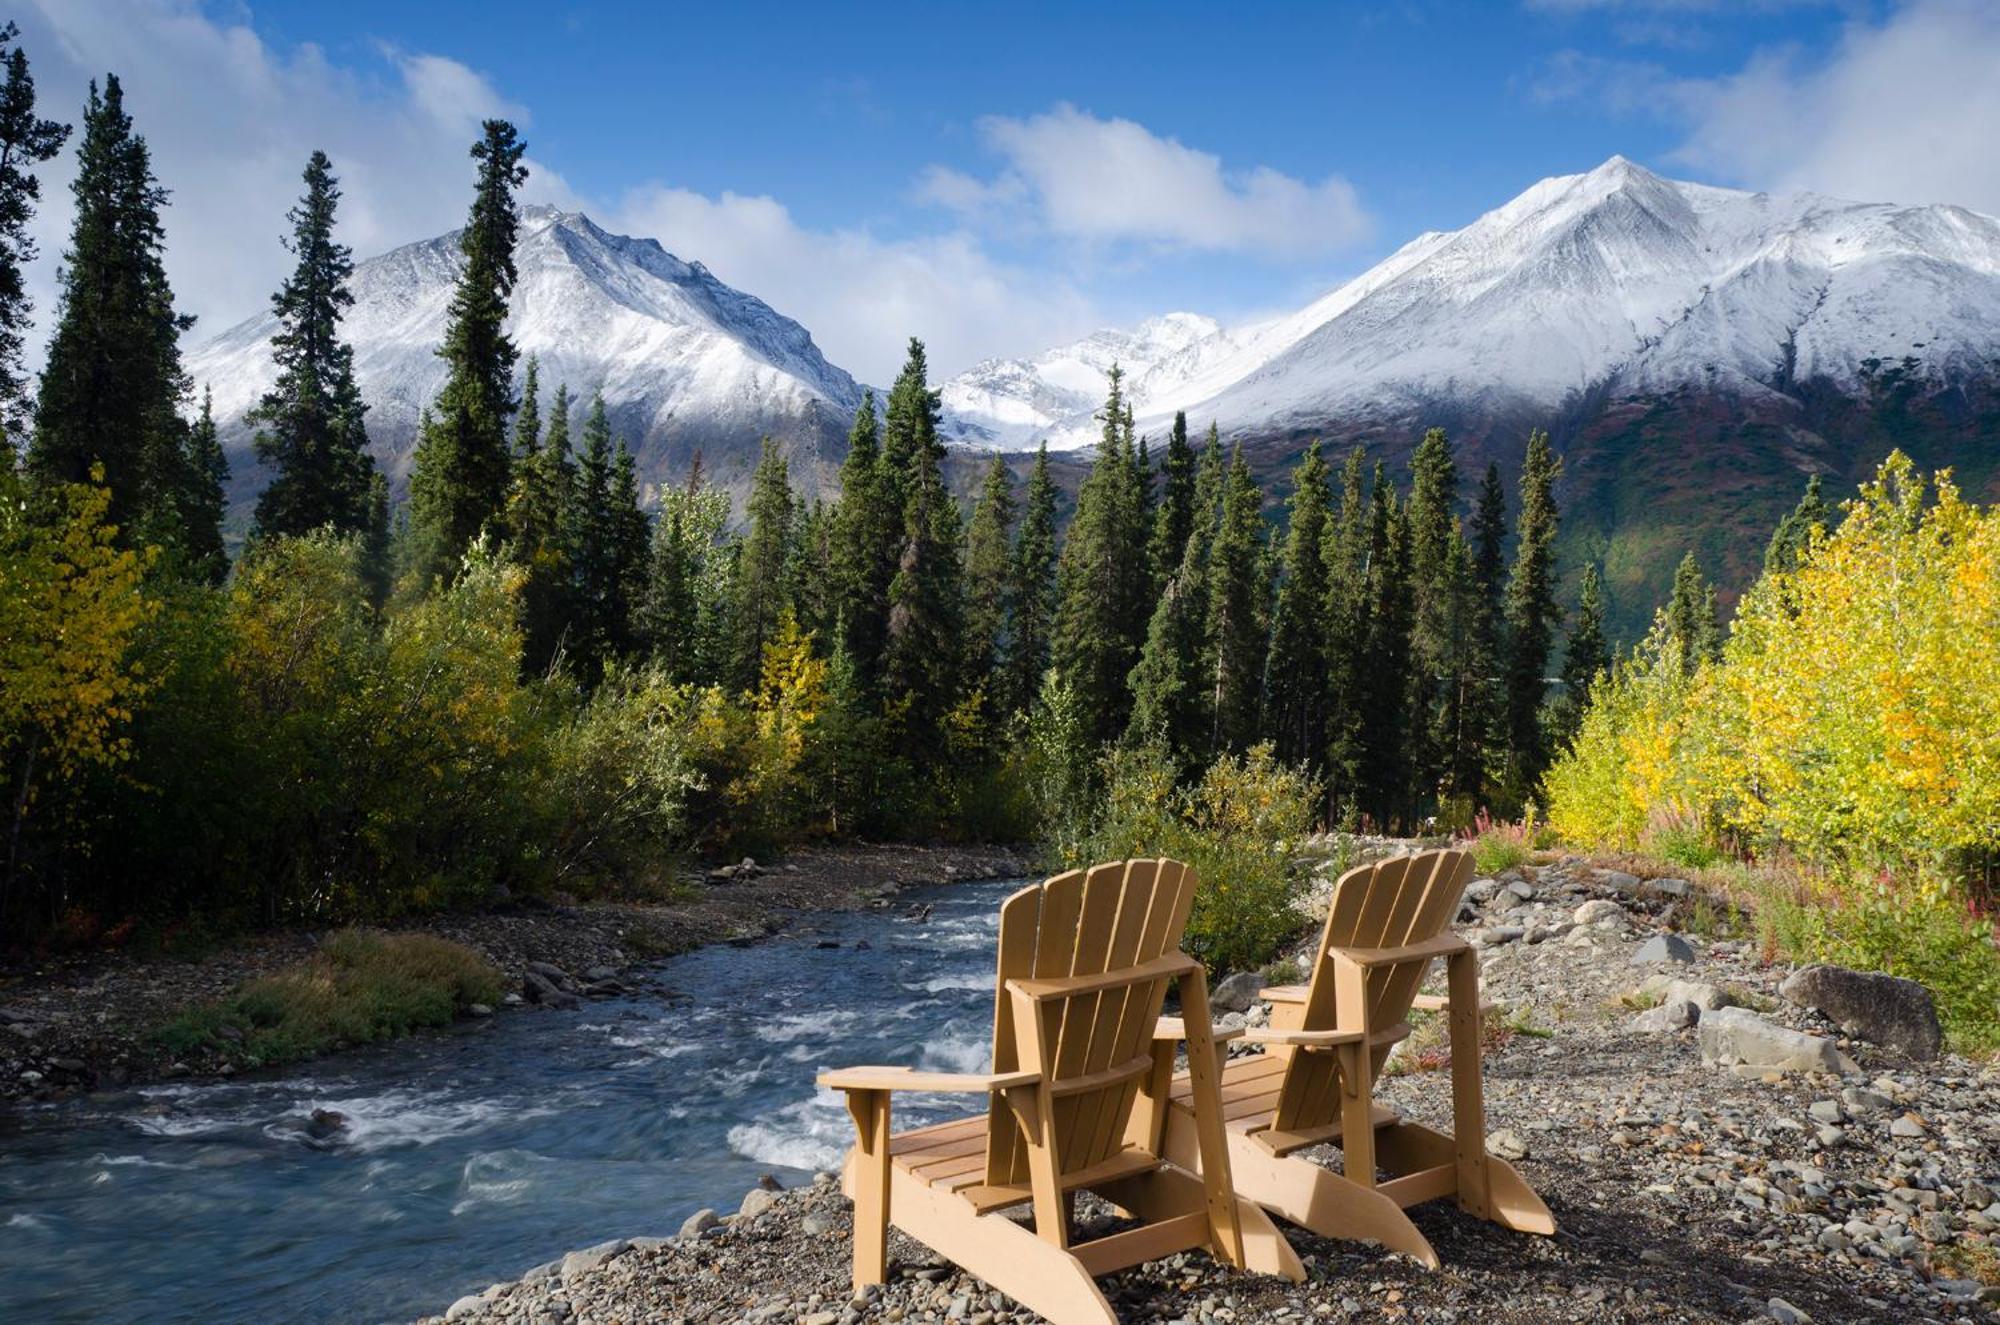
column 1174, row 1028
column 903, row 1078
column 1300, row 1039
column 1441, row 946
column 1284, row 993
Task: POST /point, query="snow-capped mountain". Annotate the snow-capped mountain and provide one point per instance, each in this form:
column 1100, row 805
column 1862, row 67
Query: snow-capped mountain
column 1612, row 284
column 684, row 362
column 1011, row 404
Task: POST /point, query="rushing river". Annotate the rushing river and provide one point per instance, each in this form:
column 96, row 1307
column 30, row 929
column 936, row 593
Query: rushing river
column 469, row 1157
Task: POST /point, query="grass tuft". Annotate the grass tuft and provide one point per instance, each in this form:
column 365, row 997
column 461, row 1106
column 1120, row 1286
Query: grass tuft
column 360, row 986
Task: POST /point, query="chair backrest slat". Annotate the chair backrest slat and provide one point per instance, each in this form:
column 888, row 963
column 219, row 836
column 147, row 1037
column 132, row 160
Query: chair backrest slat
column 1115, row 918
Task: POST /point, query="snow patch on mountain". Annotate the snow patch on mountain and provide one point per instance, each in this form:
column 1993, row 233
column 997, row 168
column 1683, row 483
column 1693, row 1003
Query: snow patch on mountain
column 684, row 361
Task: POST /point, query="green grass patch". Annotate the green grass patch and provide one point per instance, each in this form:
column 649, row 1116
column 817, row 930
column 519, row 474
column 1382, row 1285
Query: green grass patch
column 360, row 987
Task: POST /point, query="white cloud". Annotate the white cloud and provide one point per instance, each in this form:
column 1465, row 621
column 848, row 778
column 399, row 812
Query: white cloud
column 1901, row 109
column 1907, row 110
column 1080, row 177
column 230, row 123
column 861, row 296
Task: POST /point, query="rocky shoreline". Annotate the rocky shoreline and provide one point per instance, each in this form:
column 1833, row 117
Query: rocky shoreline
column 76, row 1023
column 1714, row 1150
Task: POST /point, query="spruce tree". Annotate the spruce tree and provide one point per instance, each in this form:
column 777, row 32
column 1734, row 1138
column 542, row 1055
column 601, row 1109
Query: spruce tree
column 1347, row 603
column 377, row 549
column 199, row 517
column 1238, row 612
column 1170, row 682
column 540, row 520
column 761, row 595
column 1102, row 579
column 1385, row 745
column 1431, row 521
column 1489, row 536
column 1173, row 515
column 459, row 480
column 1031, row 589
column 1298, row 686
column 1794, row 534
column 1532, row 617
column 25, row 142
column 1690, row 615
column 922, row 656
column 988, row 569
column 681, row 615
column 112, row 387
column 310, row 428
column 1588, row 655
column 528, row 415
column 866, row 538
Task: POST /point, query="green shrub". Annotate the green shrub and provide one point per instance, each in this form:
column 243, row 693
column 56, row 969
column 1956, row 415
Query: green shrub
column 1682, row 845
column 359, row 987
column 1237, row 826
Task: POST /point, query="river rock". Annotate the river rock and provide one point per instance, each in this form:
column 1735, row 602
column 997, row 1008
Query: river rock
column 1736, row 1037
column 468, row 1305
column 698, row 1223
column 756, row 1201
column 1600, row 911
column 1703, row 995
column 1883, row 1009
column 579, row 1263
column 540, row 989
column 1619, row 881
column 1673, row 1015
column 1663, row 948
column 1235, row 993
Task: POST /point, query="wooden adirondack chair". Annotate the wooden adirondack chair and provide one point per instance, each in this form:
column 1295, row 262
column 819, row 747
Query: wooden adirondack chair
column 1077, row 1100
column 1326, row 1046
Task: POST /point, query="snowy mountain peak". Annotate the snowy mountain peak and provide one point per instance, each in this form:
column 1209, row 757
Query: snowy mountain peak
column 684, row 361
column 1615, row 281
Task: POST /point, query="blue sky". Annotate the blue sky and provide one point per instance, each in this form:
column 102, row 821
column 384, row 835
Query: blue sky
column 997, row 178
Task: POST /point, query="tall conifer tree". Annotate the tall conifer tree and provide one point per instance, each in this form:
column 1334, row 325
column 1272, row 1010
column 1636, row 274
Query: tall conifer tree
column 866, row 537
column 458, row 485
column 1347, row 605
column 1173, row 515
column 922, row 660
column 1102, row 578
column 112, row 388
column 1299, row 680
column 540, row 522
column 1387, row 725
column 1031, row 590
column 761, row 594
column 26, row 141
column 989, row 556
column 1238, row 611
column 310, row 428
column 200, row 512
column 1532, row 617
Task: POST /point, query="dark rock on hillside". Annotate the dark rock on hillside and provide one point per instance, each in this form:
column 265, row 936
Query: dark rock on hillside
column 1883, row 1009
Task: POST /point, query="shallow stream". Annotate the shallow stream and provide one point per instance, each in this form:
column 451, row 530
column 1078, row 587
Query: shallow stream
column 469, row 1157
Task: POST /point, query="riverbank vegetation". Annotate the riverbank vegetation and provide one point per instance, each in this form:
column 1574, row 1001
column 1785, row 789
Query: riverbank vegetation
column 358, row 987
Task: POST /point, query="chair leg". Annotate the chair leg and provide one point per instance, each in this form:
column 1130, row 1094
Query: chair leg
column 1306, row 1194
column 1357, row 1115
column 868, row 1185
column 1468, row 1097
column 1408, row 1147
column 1041, row 1276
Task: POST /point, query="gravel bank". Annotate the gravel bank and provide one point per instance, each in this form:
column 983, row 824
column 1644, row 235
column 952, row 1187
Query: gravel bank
column 75, row 1023
column 1687, row 1190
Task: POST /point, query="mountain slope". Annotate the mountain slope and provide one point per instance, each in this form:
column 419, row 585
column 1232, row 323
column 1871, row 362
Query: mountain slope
column 685, row 362
column 1695, row 351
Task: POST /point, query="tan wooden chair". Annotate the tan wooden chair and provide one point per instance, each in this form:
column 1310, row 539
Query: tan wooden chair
column 1327, row 1045
column 1082, row 1067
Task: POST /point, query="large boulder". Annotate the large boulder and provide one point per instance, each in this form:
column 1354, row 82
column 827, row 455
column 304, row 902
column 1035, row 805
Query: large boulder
column 1664, row 948
column 1882, row 1009
column 1739, row 1038
column 1235, row 993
